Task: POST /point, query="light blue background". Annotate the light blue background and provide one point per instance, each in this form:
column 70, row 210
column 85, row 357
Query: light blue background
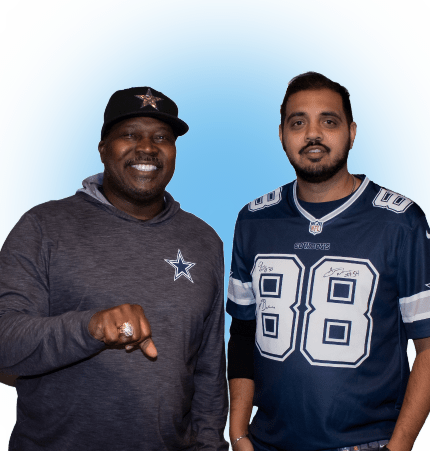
column 226, row 64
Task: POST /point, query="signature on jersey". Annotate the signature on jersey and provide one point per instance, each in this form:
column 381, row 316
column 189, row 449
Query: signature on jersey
column 264, row 306
column 263, row 268
column 341, row 272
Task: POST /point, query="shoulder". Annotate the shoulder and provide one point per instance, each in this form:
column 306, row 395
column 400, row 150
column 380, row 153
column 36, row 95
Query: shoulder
column 392, row 206
column 57, row 210
column 269, row 205
column 51, row 208
column 54, row 216
column 198, row 227
column 42, row 222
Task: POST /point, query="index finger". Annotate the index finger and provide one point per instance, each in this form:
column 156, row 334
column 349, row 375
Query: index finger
column 147, row 345
column 148, row 348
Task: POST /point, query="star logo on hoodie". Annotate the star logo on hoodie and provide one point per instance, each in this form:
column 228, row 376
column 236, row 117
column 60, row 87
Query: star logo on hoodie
column 182, row 268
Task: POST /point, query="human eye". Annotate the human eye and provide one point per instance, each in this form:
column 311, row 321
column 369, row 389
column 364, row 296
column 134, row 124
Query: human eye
column 331, row 122
column 297, row 123
column 159, row 138
column 163, row 137
column 128, row 135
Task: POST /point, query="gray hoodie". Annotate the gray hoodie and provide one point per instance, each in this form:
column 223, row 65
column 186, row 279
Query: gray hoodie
column 66, row 260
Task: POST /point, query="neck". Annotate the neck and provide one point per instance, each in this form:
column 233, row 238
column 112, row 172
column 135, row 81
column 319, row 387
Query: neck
column 139, row 210
column 340, row 185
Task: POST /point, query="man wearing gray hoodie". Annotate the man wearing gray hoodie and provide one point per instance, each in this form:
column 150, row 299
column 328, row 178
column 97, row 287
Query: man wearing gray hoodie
column 111, row 303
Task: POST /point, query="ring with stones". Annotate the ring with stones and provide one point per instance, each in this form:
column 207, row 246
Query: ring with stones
column 126, row 329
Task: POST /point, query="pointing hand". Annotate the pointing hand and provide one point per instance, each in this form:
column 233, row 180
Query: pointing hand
column 106, row 326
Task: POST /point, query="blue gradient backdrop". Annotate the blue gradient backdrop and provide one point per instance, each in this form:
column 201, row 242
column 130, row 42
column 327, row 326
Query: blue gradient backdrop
column 226, row 64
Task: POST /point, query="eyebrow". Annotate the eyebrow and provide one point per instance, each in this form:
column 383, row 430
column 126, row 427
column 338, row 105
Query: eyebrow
column 331, row 113
column 324, row 113
column 164, row 128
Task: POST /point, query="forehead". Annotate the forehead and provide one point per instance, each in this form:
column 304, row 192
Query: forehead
column 143, row 124
column 314, row 101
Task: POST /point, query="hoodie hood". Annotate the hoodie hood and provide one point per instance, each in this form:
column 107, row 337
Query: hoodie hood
column 91, row 190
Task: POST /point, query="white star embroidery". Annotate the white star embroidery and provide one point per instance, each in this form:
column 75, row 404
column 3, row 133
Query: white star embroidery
column 181, row 267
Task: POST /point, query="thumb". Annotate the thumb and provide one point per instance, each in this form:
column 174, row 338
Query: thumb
column 148, row 348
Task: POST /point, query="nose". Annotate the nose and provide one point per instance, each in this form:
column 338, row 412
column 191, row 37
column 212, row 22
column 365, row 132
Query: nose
column 313, row 132
column 147, row 146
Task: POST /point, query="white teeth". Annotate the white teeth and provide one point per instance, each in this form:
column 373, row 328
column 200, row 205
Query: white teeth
column 315, row 151
column 145, row 167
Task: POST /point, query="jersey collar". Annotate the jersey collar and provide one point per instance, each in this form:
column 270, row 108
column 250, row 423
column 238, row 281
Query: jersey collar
column 334, row 213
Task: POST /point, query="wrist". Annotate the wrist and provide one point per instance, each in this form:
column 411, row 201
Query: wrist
column 235, row 440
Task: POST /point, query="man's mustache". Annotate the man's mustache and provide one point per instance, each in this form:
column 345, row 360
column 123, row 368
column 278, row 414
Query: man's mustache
column 149, row 160
column 314, row 143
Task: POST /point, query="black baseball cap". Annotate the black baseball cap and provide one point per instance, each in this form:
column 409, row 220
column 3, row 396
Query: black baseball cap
column 145, row 101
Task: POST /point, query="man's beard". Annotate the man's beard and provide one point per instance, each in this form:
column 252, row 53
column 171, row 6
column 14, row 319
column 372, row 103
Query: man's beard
column 318, row 174
column 141, row 197
column 133, row 195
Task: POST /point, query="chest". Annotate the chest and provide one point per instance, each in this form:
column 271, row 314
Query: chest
column 323, row 293
column 168, row 275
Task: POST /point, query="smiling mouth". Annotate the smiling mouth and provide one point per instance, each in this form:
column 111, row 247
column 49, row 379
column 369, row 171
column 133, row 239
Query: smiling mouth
column 315, row 154
column 144, row 167
column 313, row 148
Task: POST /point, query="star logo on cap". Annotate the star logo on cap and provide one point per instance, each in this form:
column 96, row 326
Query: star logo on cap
column 182, row 268
column 149, row 99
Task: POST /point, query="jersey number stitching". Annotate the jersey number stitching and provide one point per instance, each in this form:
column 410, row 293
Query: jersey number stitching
column 268, row 200
column 337, row 325
column 391, row 201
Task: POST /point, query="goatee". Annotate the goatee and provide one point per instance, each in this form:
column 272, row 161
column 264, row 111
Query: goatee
column 315, row 173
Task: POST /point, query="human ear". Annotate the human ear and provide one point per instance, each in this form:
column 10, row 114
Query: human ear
column 352, row 132
column 102, row 150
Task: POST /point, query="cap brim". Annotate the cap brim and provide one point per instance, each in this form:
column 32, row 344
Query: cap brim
column 179, row 127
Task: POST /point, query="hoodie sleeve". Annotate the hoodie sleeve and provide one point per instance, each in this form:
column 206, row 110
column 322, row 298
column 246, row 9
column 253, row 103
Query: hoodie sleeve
column 210, row 405
column 31, row 340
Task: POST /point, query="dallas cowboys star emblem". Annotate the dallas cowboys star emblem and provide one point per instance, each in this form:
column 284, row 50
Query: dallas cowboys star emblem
column 149, row 99
column 182, row 268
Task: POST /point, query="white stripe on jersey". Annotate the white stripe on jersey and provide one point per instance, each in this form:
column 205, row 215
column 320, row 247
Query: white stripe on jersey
column 415, row 307
column 338, row 210
column 240, row 292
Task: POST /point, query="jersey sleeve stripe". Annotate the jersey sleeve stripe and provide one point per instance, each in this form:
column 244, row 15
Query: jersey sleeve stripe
column 243, row 312
column 416, row 307
column 240, row 292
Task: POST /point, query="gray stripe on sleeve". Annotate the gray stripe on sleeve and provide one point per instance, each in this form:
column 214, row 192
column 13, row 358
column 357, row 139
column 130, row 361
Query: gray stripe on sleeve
column 240, row 292
column 416, row 307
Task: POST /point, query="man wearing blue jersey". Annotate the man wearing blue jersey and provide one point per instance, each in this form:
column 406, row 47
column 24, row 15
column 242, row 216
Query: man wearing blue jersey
column 330, row 278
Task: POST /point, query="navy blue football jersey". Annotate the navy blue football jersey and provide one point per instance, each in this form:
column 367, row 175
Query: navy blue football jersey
column 335, row 299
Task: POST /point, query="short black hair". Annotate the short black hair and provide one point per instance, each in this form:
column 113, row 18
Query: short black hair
column 314, row 81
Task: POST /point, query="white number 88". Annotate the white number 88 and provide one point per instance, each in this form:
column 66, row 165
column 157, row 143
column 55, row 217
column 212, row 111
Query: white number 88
column 337, row 325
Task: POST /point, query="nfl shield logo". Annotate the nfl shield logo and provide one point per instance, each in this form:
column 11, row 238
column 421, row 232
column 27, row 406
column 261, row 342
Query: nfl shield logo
column 315, row 227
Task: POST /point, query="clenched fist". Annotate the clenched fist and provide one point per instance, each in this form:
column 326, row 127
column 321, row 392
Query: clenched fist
column 105, row 326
